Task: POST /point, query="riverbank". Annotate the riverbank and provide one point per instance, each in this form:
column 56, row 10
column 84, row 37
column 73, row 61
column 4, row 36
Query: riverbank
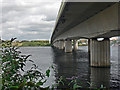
column 36, row 43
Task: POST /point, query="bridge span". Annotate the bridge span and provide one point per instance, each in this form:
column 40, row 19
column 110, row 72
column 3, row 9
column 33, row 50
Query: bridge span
column 89, row 20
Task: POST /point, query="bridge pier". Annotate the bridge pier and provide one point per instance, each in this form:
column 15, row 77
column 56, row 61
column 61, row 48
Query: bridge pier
column 99, row 52
column 68, row 45
column 75, row 45
column 61, row 44
column 56, row 44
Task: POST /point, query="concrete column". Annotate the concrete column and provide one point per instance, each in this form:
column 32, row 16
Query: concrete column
column 89, row 50
column 68, row 45
column 53, row 44
column 57, row 43
column 100, row 53
column 75, row 45
column 61, row 44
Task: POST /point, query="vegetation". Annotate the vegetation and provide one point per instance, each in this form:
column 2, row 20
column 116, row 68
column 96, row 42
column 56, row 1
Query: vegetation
column 30, row 43
column 115, row 42
column 35, row 43
column 14, row 76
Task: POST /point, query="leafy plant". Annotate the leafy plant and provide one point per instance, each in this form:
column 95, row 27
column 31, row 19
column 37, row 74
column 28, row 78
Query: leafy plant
column 13, row 74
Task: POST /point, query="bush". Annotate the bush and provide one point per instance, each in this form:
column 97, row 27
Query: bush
column 13, row 74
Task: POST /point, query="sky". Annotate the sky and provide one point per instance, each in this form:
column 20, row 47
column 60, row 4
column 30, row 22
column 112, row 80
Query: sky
column 28, row 19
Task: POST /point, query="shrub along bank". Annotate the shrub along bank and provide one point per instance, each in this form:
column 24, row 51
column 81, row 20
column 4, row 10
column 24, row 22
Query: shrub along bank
column 36, row 43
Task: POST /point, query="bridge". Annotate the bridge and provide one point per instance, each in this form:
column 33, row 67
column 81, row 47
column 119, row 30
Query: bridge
column 89, row 20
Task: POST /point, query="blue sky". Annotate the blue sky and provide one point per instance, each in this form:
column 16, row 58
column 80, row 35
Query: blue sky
column 28, row 19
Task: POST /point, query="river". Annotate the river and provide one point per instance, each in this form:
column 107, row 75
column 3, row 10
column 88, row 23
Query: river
column 75, row 64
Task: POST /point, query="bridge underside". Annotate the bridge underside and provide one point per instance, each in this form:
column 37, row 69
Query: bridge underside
column 90, row 20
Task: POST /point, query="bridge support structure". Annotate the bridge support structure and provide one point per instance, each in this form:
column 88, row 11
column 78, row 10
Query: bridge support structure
column 56, row 44
column 61, row 44
column 75, row 44
column 99, row 52
column 68, row 45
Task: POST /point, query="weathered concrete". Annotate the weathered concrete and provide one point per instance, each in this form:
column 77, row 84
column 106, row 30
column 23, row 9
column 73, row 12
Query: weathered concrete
column 54, row 44
column 57, row 44
column 89, row 50
column 61, row 44
column 102, row 24
column 68, row 45
column 100, row 53
column 75, row 45
column 88, row 20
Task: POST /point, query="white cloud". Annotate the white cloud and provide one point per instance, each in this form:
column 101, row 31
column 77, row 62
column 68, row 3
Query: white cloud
column 28, row 19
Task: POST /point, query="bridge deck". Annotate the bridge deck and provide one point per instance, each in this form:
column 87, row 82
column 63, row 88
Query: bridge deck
column 86, row 19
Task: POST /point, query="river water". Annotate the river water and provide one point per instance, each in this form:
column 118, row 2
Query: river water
column 75, row 64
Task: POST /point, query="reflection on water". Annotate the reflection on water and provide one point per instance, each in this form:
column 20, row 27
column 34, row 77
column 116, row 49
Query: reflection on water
column 100, row 76
column 72, row 64
column 76, row 64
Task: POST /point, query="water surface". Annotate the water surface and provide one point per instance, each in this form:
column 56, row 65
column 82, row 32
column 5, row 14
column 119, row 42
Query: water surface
column 75, row 64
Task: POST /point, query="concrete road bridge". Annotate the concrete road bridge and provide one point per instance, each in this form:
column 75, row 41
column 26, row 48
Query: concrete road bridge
column 89, row 20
